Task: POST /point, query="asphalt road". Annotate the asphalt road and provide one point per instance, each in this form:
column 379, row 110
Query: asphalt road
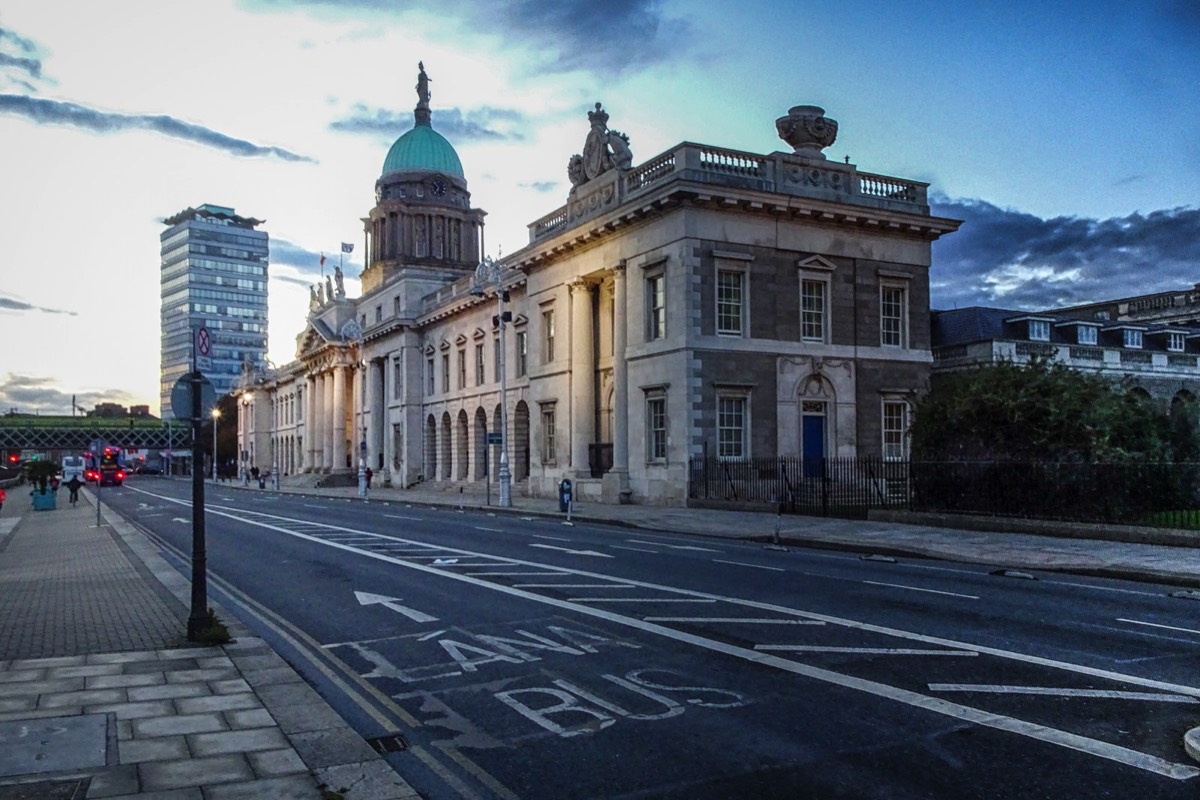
column 519, row 657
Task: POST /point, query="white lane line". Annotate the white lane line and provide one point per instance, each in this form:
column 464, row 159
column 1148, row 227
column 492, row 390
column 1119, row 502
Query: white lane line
column 882, row 651
column 489, row 530
column 1156, row 625
column 593, row 553
column 400, row 516
column 1052, row 691
column 743, row 564
column 306, row 505
column 539, row 574
column 551, row 538
column 1094, row 747
column 746, row 620
column 919, row 589
column 634, row 549
column 676, row 546
column 573, row 586
column 639, row 600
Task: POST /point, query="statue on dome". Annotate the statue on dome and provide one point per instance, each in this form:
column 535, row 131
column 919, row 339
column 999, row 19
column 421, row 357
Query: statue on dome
column 423, row 94
column 338, row 278
column 603, row 150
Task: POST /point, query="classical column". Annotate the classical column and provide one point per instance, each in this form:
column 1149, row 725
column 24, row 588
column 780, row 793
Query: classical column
column 339, row 418
column 327, row 411
column 316, row 431
column 620, row 431
column 377, row 406
column 583, row 370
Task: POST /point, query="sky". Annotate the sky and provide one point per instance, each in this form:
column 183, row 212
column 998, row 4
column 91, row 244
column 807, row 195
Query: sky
column 1065, row 134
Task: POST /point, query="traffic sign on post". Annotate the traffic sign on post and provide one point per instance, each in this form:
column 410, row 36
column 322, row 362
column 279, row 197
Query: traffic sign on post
column 181, row 397
column 203, row 349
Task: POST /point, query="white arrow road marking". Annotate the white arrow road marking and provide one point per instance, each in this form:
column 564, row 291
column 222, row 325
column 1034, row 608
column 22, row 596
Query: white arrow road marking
column 572, row 552
column 180, row 519
column 367, row 599
column 1052, row 691
column 444, row 561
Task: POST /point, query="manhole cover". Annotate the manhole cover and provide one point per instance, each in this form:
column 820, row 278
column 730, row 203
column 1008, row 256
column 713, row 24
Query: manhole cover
column 75, row 789
column 392, row 743
column 51, row 744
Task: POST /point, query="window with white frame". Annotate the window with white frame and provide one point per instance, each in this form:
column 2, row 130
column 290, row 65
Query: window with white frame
column 732, row 426
column 522, row 353
column 895, row 429
column 731, row 288
column 549, row 447
column 1132, row 338
column 1039, row 330
column 656, row 309
column 812, row 310
column 656, row 426
column 1085, row 334
column 479, row 365
column 1175, row 342
column 893, row 316
column 548, row 334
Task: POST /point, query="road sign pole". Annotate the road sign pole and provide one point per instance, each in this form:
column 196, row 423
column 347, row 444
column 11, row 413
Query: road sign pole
column 199, row 619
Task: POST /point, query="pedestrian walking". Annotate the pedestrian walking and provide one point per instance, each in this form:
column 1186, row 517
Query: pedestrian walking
column 369, row 474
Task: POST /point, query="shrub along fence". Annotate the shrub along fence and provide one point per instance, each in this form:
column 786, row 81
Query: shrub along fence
column 1155, row 494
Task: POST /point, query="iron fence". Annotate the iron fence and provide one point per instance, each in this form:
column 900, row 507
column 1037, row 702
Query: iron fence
column 1153, row 494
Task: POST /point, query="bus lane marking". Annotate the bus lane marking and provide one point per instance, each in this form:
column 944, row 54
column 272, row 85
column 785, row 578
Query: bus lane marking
column 1101, row 749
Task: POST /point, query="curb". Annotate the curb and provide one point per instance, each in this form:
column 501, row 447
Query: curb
column 1191, row 743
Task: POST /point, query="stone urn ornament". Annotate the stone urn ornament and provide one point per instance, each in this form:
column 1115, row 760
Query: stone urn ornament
column 807, row 130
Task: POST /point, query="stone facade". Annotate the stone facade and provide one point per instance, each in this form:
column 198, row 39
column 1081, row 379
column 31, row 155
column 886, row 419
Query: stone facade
column 707, row 302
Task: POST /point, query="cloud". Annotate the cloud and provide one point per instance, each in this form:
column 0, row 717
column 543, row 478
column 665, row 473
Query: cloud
column 541, row 186
column 58, row 112
column 608, row 38
column 1011, row 259
column 29, row 394
column 306, row 262
column 481, row 124
column 13, row 304
column 29, row 65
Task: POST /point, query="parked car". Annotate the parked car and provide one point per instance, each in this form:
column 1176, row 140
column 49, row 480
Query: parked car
column 147, row 469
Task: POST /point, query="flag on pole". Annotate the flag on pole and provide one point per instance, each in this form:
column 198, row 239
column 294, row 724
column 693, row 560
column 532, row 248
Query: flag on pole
column 347, row 247
column 322, row 259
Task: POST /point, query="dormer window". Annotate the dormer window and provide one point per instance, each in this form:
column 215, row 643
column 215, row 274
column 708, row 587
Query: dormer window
column 1086, row 334
column 1132, row 338
column 1039, row 330
column 1175, row 342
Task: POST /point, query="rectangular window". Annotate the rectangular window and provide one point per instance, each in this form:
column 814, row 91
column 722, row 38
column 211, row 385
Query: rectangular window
column 462, row 368
column 479, row 365
column 548, row 329
column 522, row 353
column 1175, row 342
column 730, row 311
column 378, row 314
column 895, row 430
column 397, row 379
column 656, row 428
column 731, row 427
column 893, row 316
column 445, row 372
column 496, row 359
column 1039, row 330
column 1086, row 334
column 812, row 311
column 429, row 372
column 656, row 310
column 1133, row 339
column 549, row 452
column 299, row 404
column 396, row 306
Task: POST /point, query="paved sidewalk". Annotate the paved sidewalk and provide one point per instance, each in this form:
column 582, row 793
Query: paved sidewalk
column 94, row 664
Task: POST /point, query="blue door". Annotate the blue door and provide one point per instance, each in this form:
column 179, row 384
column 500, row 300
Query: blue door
column 813, row 452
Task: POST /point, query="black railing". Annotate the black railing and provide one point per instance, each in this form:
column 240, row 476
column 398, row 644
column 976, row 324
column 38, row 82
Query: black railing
column 1152, row 494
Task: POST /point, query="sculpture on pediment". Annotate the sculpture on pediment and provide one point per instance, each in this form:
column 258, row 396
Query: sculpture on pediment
column 328, row 289
column 320, row 294
column 604, row 149
column 314, row 302
column 338, row 278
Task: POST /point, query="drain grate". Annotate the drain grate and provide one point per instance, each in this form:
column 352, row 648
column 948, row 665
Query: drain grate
column 391, row 743
column 74, row 789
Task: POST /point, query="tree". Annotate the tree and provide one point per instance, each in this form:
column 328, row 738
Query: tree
column 1046, row 411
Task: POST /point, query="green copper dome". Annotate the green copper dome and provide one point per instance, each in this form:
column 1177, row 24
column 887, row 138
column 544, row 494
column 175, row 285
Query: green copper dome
column 423, row 148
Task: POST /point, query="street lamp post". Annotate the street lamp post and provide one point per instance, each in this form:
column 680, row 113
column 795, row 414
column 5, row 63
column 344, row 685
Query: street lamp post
column 362, row 418
column 216, row 415
column 490, row 271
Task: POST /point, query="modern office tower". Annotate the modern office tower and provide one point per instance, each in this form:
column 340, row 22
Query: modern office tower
column 214, row 274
